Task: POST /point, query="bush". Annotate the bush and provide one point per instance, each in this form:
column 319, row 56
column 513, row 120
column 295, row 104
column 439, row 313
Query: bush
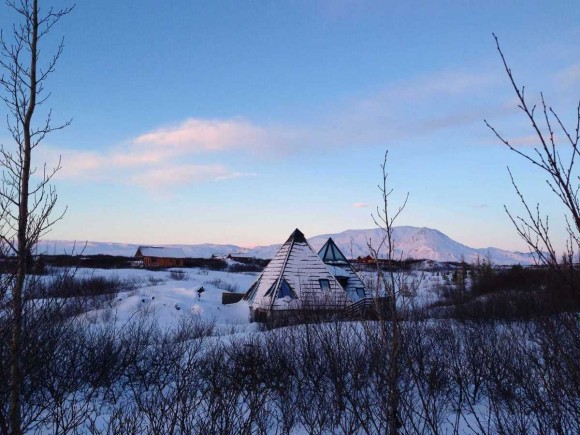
column 76, row 295
column 88, row 261
column 224, row 285
column 178, row 275
column 154, row 280
column 67, row 285
column 206, row 263
column 240, row 268
column 331, row 377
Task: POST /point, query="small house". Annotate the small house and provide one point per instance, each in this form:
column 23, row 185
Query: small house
column 155, row 256
column 241, row 257
column 295, row 281
column 341, row 269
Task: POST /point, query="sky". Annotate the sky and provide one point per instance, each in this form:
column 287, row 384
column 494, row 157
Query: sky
column 238, row 121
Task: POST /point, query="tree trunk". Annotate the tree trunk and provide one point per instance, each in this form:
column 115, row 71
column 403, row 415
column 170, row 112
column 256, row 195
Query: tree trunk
column 22, row 255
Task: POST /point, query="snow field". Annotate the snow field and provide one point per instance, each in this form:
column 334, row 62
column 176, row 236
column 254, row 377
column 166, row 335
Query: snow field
column 158, row 295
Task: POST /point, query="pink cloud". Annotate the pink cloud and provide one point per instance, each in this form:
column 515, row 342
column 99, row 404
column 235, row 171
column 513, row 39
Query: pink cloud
column 139, row 157
column 360, row 205
column 78, row 164
column 145, row 159
column 163, row 177
column 158, row 159
column 202, row 135
column 234, row 175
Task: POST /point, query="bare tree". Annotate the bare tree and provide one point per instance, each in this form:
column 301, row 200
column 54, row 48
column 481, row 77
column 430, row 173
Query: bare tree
column 389, row 286
column 27, row 199
column 548, row 376
column 555, row 155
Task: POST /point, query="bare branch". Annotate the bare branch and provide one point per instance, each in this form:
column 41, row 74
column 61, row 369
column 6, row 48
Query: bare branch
column 556, row 161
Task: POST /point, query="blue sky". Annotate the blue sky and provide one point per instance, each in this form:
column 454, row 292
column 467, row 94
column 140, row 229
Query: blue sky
column 237, row 121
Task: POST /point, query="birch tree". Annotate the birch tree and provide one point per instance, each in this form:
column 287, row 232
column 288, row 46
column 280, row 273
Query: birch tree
column 27, row 197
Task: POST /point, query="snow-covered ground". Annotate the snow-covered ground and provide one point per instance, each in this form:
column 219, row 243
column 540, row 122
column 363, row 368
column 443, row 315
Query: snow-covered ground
column 212, row 377
column 158, row 294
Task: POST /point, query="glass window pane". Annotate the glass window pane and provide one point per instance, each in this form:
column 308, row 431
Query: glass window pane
column 285, row 290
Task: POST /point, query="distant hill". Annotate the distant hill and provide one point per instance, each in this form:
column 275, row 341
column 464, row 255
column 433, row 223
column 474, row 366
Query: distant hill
column 55, row 247
column 410, row 242
column 419, row 243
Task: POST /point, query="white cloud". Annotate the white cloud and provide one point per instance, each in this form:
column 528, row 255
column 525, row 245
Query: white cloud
column 360, row 205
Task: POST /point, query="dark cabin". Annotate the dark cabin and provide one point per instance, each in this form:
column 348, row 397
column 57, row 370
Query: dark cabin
column 154, row 256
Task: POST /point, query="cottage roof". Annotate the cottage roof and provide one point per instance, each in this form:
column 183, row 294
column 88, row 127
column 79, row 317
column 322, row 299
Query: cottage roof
column 241, row 255
column 331, row 254
column 295, row 278
column 339, row 271
column 339, row 266
column 160, row 252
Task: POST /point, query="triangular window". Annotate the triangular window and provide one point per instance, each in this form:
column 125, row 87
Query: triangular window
column 330, row 253
column 336, row 254
column 324, row 285
column 283, row 291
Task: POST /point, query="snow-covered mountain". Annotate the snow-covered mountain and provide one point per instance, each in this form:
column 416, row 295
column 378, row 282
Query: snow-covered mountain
column 420, row 243
column 57, row 247
column 410, row 242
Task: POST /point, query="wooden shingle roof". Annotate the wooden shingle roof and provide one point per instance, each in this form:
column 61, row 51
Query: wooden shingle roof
column 297, row 266
column 159, row 252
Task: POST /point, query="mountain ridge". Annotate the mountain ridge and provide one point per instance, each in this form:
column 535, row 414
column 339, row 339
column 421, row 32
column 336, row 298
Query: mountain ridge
column 410, row 242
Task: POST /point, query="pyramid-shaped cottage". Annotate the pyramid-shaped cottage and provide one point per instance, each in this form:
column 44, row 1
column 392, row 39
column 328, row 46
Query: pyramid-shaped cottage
column 295, row 279
column 339, row 266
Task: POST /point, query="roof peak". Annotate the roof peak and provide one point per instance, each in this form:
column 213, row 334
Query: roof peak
column 297, row 236
column 330, row 253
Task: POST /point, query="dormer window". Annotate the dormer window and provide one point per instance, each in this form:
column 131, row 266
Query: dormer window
column 324, row 285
